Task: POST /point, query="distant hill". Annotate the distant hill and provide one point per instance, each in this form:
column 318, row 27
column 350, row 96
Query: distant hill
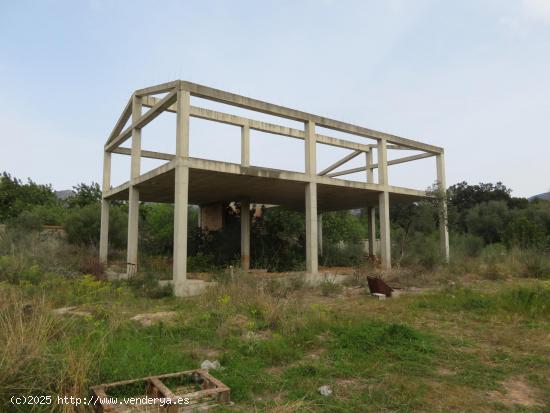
column 62, row 195
column 545, row 196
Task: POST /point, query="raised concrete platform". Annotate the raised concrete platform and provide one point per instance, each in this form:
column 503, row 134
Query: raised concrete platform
column 214, row 181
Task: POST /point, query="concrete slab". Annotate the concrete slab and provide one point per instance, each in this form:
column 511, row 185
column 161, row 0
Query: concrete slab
column 259, row 185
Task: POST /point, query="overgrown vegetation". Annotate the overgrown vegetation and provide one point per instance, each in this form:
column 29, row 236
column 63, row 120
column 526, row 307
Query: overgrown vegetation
column 477, row 324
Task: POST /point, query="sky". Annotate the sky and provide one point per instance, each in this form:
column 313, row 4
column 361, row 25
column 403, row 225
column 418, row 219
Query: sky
column 472, row 76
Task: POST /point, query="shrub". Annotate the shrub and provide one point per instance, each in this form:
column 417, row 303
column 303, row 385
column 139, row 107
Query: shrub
column 534, row 264
column 329, row 287
column 147, row 285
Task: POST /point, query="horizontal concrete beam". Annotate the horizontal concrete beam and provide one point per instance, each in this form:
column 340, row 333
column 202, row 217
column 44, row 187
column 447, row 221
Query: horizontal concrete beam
column 146, row 154
column 375, row 165
column 277, row 110
column 154, row 90
column 228, row 119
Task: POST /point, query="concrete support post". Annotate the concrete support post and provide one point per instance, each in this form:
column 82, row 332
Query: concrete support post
column 312, row 258
column 104, row 231
column 245, row 235
column 245, row 146
column 384, row 205
column 133, row 196
column 181, row 192
column 443, row 229
column 320, row 233
column 371, row 212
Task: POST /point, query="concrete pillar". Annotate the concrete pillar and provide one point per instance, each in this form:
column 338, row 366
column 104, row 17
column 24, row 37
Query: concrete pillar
column 312, row 258
column 384, row 205
column 245, row 235
column 443, row 228
column 245, row 146
column 320, row 233
column 181, row 192
column 371, row 212
column 133, row 196
column 104, row 231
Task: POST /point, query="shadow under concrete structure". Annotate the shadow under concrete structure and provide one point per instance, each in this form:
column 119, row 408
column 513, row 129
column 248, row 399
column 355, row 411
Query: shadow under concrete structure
column 185, row 180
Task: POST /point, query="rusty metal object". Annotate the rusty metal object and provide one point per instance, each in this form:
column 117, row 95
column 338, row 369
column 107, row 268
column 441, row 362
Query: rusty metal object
column 377, row 285
column 202, row 391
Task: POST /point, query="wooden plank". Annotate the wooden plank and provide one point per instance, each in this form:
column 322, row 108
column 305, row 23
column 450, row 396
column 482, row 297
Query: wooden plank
column 339, row 163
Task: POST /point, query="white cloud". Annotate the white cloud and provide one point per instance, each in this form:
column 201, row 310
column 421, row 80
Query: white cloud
column 537, row 10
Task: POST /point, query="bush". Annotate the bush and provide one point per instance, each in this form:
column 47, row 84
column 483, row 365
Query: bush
column 343, row 254
column 534, row 264
column 147, row 285
column 329, row 287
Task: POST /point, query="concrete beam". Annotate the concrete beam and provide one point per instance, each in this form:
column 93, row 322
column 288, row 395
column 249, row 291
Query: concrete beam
column 312, row 257
column 245, row 146
column 340, row 162
column 371, row 212
column 133, row 196
column 181, row 193
column 215, row 116
column 384, row 205
column 146, row 154
column 104, row 228
column 156, row 110
column 443, row 219
column 277, row 110
column 375, row 165
column 245, row 235
column 154, row 90
column 122, row 120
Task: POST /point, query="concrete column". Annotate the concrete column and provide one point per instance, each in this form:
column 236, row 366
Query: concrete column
column 199, row 217
column 181, row 192
column 443, row 228
column 245, row 235
column 312, row 258
column 245, row 146
column 371, row 212
column 320, row 233
column 133, row 196
column 104, row 231
column 384, row 205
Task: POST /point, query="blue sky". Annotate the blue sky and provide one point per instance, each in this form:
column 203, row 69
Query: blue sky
column 471, row 76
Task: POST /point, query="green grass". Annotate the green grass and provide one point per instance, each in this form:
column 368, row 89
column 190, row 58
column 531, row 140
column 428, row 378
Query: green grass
column 439, row 351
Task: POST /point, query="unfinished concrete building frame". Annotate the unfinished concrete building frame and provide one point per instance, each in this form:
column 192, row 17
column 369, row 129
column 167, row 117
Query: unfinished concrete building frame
column 184, row 180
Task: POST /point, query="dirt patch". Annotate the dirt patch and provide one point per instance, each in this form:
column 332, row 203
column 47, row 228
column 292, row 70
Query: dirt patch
column 517, row 391
column 148, row 319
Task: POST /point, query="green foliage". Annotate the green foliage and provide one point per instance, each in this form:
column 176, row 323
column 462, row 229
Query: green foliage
column 529, row 301
column 15, row 196
column 157, row 233
column 329, row 287
column 342, row 226
column 84, row 195
column 278, row 242
column 147, row 285
column 488, row 220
